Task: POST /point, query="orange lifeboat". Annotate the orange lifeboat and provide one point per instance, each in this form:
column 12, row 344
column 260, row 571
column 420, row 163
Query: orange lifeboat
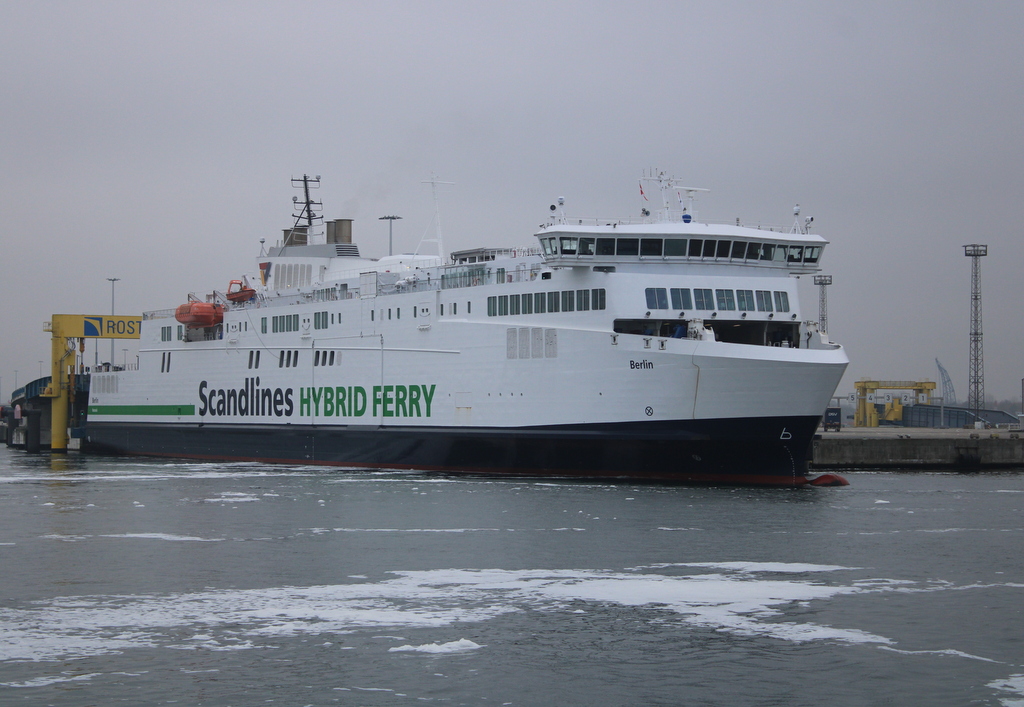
column 239, row 292
column 199, row 314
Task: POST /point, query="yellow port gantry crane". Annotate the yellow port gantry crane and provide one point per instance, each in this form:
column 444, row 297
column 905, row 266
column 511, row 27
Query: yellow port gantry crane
column 68, row 334
column 866, row 414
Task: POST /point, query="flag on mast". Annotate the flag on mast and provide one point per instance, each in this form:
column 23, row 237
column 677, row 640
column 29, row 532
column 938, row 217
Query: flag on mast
column 642, row 191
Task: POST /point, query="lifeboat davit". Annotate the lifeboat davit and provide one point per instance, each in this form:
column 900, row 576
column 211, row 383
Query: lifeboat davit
column 240, row 292
column 199, row 314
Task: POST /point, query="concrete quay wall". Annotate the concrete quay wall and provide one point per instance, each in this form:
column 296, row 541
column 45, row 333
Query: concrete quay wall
column 914, row 449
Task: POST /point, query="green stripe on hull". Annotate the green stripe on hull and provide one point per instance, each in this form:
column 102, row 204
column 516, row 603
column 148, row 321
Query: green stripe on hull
column 142, row 409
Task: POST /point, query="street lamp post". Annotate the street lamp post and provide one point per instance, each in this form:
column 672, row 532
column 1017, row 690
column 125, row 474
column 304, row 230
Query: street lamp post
column 112, row 281
column 391, row 222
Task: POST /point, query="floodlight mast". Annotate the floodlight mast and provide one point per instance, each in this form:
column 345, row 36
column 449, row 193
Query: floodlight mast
column 823, row 281
column 391, row 223
column 976, row 384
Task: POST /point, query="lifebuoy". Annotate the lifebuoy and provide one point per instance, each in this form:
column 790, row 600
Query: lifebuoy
column 476, row 281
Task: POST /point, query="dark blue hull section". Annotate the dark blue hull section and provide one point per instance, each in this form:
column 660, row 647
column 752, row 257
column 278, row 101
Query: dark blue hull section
column 761, row 451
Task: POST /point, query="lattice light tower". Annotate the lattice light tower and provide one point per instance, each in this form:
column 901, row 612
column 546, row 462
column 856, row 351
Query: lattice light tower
column 823, row 281
column 976, row 385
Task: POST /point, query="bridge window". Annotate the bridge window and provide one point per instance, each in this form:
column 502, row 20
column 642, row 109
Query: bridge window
column 767, row 251
column 586, row 246
column 796, row 254
column 812, row 253
column 569, row 245
column 739, row 248
column 675, row 246
column 723, row 249
column 627, row 246
column 650, row 246
column 696, row 247
column 606, row 246
column 709, row 248
column 753, row 251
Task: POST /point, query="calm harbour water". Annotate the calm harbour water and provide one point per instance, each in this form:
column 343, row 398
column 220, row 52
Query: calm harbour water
column 151, row 582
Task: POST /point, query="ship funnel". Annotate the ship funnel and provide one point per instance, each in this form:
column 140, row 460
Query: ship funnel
column 339, row 230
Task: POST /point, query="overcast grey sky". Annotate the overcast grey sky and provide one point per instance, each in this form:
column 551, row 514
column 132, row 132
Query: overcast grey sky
column 154, row 142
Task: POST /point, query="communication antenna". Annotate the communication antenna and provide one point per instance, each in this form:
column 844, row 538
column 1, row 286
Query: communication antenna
column 823, row 281
column 433, row 182
column 665, row 184
column 976, row 382
column 308, row 213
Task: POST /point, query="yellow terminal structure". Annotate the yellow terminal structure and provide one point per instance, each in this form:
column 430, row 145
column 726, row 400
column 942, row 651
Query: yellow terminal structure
column 867, row 415
column 68, row 334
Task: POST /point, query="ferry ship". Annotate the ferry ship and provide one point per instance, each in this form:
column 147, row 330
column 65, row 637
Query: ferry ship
column 657, row 348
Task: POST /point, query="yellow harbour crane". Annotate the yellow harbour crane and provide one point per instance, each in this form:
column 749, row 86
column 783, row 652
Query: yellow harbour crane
column 868, row 398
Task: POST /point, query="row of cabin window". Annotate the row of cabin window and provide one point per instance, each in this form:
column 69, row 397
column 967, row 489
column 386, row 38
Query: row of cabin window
column 682, row 247
column 282, row 323
column 727, row 300
column 325, row 358
column 288, row 359
column 165, row 333
column 543, row 302
column 290, row 322
column 454, row 310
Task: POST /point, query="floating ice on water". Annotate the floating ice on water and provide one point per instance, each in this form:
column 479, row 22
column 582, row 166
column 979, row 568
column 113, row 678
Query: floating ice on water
column 744, row 598
column 460, row 646
column 49, row 680
column 1014, row 683
column 163, row 536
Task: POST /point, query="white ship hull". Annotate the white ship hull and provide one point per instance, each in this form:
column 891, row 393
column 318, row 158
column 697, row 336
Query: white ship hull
column 445, row 369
